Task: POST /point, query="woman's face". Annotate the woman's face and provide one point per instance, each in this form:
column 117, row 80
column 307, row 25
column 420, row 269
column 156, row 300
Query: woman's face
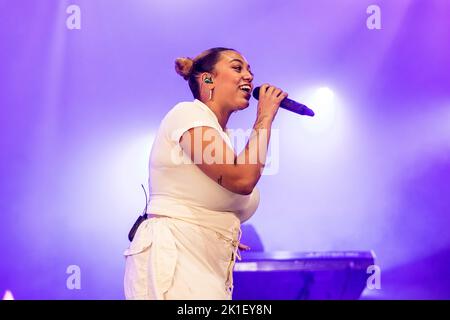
column 232, row 81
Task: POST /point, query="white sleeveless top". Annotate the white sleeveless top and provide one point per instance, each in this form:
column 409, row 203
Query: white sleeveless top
column 179, row 189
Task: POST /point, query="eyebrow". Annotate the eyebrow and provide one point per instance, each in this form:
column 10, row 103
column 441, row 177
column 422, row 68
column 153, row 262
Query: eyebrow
column 239, row 60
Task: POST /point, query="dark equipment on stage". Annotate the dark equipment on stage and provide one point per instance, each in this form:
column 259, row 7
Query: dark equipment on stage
column 302, row 276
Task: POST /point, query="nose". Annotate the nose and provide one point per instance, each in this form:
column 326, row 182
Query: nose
column 248, row 76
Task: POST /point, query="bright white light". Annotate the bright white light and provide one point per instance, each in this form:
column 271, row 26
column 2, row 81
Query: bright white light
column 110, row 181
column 324, row 96
column 8, row 295
column 322, row 102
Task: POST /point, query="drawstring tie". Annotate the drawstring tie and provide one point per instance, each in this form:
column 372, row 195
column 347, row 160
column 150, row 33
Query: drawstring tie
column 235, row 254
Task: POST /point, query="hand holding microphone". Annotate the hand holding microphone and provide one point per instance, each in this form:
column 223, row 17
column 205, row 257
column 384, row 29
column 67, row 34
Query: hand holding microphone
column 269, row 98
column 285, row 103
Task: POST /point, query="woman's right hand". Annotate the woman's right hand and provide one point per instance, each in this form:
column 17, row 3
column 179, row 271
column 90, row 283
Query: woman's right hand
column 270, row 98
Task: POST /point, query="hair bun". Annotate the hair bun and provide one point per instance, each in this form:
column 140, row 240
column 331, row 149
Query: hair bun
column 183, row 66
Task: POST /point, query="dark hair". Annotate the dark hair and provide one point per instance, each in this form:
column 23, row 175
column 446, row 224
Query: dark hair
column 189, row 68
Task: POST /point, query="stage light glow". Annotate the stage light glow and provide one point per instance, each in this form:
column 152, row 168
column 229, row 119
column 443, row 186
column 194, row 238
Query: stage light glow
column 324, row 96
column 322, row 102
column 132, row 160
column 8, row 295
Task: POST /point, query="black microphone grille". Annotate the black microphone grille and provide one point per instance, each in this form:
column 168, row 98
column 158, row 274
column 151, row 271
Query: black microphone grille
column 256, row 93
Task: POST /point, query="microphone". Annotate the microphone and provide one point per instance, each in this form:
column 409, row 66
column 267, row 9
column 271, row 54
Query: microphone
column 289, row 104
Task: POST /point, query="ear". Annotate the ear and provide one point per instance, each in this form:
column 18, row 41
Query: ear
column 206, row 78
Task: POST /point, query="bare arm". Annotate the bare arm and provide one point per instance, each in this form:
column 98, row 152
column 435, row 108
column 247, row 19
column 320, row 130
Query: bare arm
column 237, row 173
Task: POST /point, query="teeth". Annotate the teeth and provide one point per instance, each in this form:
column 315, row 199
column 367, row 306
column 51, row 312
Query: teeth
column 245, row 87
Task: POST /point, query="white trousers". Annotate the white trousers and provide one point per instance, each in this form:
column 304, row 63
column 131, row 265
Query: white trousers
column 172, row 259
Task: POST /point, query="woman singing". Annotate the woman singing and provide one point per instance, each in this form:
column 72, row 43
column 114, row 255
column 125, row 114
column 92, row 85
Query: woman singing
column 200, row 190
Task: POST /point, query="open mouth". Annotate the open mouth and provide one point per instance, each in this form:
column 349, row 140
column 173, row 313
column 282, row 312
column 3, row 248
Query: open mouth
column 246, row 88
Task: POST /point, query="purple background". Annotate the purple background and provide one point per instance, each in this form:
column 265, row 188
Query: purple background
column 80, row 108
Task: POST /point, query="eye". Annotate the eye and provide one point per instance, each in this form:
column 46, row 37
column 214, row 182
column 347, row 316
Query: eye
column 238, row 68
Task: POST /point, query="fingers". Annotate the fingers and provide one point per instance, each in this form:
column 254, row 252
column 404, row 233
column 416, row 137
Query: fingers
column 263, row 89
column 268, row 90
column 243, row 247
column 282, row 95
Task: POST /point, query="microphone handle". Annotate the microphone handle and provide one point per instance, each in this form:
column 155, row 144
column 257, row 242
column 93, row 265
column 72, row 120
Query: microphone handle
column 296, row 107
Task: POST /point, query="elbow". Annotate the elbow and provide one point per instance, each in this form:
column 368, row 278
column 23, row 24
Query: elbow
column 245, row 191
column 244, row 187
